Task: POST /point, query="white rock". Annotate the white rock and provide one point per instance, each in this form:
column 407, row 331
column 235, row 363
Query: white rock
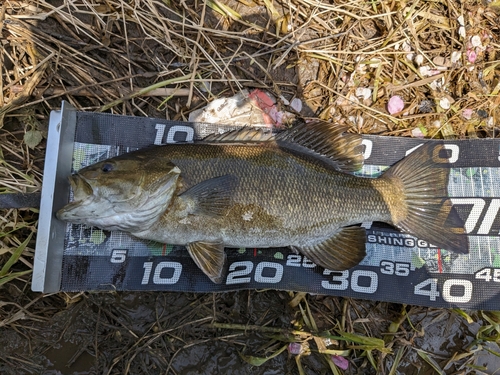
column 461, row 32
column 296, row 104
column 444, row 103
column 455, row 57
column 476, row 41
column 363, row 92
column 424, row 71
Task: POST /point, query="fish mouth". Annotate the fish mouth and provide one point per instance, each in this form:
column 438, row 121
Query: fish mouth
column 83, row 194
column 81, row 188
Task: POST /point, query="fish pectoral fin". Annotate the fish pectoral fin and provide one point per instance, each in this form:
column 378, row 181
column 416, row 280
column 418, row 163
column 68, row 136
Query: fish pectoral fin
column 213, row 196
column 209, row 257
column 344, row 250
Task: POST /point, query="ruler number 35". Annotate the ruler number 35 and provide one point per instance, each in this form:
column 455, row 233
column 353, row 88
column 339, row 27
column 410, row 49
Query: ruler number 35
column 394, row 268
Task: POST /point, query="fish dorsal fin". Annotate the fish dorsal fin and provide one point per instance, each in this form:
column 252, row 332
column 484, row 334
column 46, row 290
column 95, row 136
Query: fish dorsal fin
column 213, row 196
column 209, row 257
column 344, row 250
column 328, row 139
column 344, row 150
column 245, row 134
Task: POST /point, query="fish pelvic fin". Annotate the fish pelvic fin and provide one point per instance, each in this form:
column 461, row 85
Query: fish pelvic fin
column 213, row 196
column 209, row 257
column 343, row 149
column 420, row 205
column 344, row 250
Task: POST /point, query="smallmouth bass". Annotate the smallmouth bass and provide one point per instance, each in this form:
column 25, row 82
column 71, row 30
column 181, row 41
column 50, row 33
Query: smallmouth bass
column 248, row 188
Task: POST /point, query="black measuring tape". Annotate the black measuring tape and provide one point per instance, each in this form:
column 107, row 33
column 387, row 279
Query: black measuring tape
column 20, row 200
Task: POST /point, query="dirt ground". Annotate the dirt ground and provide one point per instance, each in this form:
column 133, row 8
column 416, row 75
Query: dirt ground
column 345, row 61
column 184, row 333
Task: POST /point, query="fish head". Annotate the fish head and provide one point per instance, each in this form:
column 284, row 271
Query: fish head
column 129, row 192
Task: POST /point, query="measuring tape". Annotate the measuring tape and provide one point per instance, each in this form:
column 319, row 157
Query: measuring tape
column 398, row 267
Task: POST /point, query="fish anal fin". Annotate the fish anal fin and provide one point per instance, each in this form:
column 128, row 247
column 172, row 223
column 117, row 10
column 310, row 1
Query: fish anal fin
column 344, row 250
column 213, row 196
column 209, row 257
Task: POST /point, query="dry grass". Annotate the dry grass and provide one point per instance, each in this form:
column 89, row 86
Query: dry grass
column 165, row 58
column 116, row 55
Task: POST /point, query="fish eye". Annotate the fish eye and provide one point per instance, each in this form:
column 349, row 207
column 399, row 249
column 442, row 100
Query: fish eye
column 107, row 167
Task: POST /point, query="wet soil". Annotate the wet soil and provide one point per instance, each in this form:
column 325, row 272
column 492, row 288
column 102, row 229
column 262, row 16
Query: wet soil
column 180, row 333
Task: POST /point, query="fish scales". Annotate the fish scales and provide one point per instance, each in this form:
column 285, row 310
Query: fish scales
column 282, row 197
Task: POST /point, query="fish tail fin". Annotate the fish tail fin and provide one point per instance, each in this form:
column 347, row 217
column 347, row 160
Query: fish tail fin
column 423, row 207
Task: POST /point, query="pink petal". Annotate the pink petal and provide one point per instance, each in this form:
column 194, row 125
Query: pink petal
column 276, row 116
column 294, row 348
column 263, row 100
column 467, row 113
column 417, row 133
column 395, row 105
column 340, row 362
column 471, row 56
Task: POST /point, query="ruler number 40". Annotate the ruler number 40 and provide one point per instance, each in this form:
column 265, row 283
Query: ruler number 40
column 453, row 290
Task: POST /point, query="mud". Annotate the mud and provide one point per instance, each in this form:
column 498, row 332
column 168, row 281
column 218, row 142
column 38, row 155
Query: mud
column 172, row 333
